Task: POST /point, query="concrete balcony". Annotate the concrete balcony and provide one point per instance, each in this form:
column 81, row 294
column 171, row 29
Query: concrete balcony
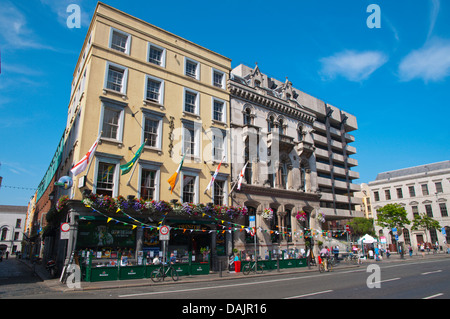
column 340, row 213
column 285, row 143
column 305, row 149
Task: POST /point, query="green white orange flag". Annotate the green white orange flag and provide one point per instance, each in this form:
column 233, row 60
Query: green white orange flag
column 174, row 178
column 125, row 168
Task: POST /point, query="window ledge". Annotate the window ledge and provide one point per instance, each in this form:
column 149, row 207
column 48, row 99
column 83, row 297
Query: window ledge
column 109, row 91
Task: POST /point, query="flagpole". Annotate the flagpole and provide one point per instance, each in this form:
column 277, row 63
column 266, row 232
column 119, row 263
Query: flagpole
column 237, row 182
column 135, row 164
column 89, row 166
column 213, row 177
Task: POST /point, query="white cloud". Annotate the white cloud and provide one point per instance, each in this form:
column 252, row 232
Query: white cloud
column 14, row 30
column 352, row 65
column 436, row 4
column 429, row 63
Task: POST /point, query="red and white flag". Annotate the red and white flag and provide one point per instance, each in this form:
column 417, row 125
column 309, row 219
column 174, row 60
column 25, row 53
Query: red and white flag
column 241, row 176
column 213, row 178
column 83, row 164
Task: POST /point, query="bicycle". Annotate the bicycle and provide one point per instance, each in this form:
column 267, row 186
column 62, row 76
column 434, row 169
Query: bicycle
column 333, row 261
column 322, row 266
column 256, row 268
column 163, row 272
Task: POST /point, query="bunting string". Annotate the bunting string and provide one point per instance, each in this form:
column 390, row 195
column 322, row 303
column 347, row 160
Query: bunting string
column 227, row 226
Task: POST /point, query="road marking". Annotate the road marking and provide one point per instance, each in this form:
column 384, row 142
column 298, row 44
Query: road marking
column 392, row 279
column 433, row 296
column 311, row 294
column 216, row 287
column 431, row 272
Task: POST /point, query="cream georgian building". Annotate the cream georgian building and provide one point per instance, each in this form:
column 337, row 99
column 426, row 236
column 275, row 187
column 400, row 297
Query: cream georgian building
column 423, row 189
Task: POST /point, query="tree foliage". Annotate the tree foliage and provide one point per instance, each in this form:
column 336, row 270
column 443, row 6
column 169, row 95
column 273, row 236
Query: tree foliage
column 424, row 221
column 361, row 226
column 392, row 215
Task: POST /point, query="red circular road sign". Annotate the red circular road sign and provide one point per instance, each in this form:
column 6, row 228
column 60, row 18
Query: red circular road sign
column 65, row 227
column 164, row 230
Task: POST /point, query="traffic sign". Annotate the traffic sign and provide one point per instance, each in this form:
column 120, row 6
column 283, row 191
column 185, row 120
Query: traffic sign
column 252, row 221
column 65, row 227
column 164, row 233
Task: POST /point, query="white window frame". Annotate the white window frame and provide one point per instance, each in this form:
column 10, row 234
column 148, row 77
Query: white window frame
column 224, row 109
column 128, row 45
column 161, row 89
column 197, row 69
column 157, row 117
column 197, row 133
column 110, row 160
column 163, row 54
column 124, row 78
column 118, row 107
column 218, row 132
column 197, row 101
column 222, row 86
column 222, row 178
column 153, row 166
column 192, row 173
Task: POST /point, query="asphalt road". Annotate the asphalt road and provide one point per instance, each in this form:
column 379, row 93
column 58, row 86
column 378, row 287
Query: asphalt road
column 418, row 279
column 413, row 280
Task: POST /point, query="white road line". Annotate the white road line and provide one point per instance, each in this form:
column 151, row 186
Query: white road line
column 431, row 272
column 392, row 279
column 215, row 287
column 311, row 294
column 433, row 296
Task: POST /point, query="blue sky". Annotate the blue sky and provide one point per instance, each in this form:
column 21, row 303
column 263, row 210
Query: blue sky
column 395, row 79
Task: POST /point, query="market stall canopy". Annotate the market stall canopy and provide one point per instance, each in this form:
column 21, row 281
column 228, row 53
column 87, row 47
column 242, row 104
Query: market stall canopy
column 367, row 239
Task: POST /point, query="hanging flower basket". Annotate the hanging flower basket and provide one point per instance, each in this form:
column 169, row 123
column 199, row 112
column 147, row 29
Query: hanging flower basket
column 301, row 216
column 321, row 217
column 267, row 213
column 61, row 203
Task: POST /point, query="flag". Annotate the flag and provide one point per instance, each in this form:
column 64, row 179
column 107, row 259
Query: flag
column 241, row 176
column 213, row 178
column 125, row 168
column 174, row 178
column 82, row 165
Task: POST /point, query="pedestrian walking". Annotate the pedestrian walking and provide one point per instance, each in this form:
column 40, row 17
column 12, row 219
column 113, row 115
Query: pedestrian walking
column 410, row 250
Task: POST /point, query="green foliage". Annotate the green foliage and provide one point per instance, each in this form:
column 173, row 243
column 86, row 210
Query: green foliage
column 424, row 221
column 361, row 226
column 392, row 215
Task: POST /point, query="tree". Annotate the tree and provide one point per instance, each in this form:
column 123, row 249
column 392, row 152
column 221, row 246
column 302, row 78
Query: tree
column 424, row 221
column 361, row 226
column 392, row 215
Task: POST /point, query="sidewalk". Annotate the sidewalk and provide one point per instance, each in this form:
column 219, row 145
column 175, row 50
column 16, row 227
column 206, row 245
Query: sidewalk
column 56, row 285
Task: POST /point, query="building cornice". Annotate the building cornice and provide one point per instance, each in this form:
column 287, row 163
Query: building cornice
column 251, row 95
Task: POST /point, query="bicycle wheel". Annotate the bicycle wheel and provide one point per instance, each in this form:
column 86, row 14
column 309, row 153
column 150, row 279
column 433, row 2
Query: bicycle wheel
column 156, row 275
column 321, row 268
column 259, row 269
column 173, row 274
column 246, row 269
column 330, row 267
